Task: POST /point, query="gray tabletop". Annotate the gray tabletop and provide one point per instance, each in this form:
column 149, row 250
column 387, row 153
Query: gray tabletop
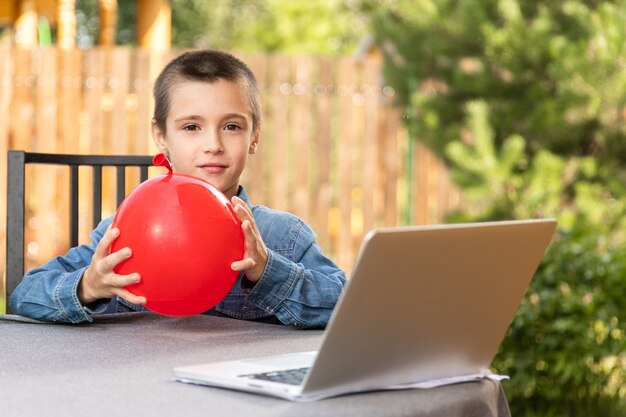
column 122, row 365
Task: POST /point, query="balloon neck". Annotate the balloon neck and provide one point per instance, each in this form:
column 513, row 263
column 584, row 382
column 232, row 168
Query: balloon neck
column 161, row 160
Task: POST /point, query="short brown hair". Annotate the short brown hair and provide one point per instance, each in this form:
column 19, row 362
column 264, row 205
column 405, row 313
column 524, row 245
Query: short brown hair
column 209, row 66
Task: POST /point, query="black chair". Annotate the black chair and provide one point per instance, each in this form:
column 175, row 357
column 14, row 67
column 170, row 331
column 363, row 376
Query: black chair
column 16, row 167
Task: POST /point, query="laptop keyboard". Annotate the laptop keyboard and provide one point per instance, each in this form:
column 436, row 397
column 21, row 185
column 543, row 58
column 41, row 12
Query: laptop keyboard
column 287, row 376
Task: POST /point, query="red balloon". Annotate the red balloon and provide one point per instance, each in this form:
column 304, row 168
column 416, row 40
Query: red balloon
column 184, row 235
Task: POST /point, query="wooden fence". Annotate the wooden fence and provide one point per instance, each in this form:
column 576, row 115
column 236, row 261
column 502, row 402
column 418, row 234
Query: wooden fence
column 333, row 149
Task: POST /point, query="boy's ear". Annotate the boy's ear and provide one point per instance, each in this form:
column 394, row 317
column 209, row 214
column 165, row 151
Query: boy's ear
column 158, row 137
column 255, row 142
column 252, row 149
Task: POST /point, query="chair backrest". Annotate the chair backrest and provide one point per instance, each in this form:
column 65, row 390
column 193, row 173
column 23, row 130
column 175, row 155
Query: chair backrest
column 16, row 184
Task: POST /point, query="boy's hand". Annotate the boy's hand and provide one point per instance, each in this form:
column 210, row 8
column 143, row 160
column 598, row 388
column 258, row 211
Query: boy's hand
column 255, row 253
column 100, row 281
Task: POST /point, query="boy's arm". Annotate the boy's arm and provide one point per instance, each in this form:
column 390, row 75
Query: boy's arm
column 49, row 292
column 301, row 293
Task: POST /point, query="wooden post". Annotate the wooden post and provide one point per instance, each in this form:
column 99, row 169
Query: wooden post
column 8, row 11
column 154, row 27
column 26, row 25
column 154, row 22
column 66, row 24
column 108, row 22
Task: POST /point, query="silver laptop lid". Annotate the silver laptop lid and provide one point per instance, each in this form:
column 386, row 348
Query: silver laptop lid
column 428, row 302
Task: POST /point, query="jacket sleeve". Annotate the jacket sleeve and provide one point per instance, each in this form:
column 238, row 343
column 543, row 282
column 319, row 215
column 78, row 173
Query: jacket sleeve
column 49, row 292
column 300, row 285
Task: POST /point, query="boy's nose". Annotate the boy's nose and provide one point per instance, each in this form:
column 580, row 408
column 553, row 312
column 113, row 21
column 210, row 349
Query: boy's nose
column 212, row 143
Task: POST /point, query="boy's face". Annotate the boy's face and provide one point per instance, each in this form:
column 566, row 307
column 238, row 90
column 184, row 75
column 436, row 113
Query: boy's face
column 209, row 132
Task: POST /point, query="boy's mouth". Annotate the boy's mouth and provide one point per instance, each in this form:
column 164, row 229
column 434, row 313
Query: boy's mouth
column 213, row 168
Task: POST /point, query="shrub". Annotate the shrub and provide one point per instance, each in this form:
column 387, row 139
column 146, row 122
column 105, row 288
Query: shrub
column 564, row 348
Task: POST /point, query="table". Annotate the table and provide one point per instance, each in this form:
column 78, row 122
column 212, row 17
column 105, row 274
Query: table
column 121, row 364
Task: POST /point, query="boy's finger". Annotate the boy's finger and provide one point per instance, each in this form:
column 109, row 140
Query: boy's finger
column 239, row 203
column 243, row 265
column 130, row 297
column 250, row 234
column 124, row 280
column 242, row 213
column 105, row 243
column 115, row 258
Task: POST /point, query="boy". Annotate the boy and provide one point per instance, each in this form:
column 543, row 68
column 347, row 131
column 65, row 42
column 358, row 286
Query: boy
column 206, row 121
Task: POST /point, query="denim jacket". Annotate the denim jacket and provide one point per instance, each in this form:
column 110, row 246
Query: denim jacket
column 300, row 286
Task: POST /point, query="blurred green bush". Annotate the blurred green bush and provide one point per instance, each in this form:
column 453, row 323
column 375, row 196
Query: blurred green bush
column 526, row 102
column 564, row 349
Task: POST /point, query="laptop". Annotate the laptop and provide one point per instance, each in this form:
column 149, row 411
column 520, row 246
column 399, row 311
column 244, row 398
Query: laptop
column 425, row 306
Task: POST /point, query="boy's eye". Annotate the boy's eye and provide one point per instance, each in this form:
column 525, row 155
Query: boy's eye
column 191, row 127
column 231, row 126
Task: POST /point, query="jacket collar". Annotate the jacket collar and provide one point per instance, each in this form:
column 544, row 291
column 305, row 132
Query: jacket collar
column 241, row 193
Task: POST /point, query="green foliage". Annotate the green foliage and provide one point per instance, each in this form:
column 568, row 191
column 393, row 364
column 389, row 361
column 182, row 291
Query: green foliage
column 552, row 72
column 88, row 22
column 564, row 348
column 311, row 27
column 526, row 101
column 320, row 27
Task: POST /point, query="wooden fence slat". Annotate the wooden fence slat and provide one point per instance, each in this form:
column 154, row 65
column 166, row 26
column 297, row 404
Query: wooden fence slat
column 92, row 141
column 345, row 164
column 356, row 155
column 372, row 175
column 301, row 128
column 253, row 177
column 279, row 89
column 22, row 106
column 442, row 191
column 392, row 164
column 93, row 75
column 45, row 182
column 121, row 116
column 113, row 107
column 45, row 101
column 140, row 109
column 118, row 87
column 386, row 151
column 69, row 93
column 421, row 181
column 144, row 107
column 433, row 180
column 69, row 105
column 322, row 187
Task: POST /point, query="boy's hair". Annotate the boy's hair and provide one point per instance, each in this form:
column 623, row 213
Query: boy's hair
column 209, row 66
